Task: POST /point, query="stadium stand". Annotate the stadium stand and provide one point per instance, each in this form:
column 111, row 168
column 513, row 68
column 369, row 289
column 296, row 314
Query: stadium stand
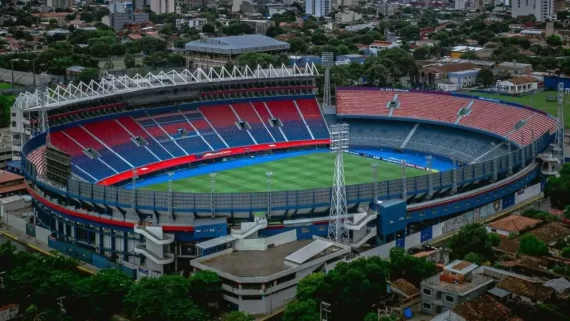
column 223, row 119
column 258, row 128
column 293, row 125
column 488, row 116
column 310, row 110
column 263, row 112
column 378, row 133
column 100, row 149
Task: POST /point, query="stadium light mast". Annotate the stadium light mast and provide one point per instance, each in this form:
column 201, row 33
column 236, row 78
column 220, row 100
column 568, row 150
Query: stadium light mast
column 454, row 173
column 327, row 61
column 170, row 210
column 429, row 159
column 212, row 192
column 523, row 156
column 134, row 184
column 268, row 174
column 339, row 144
column 560, row 131
column 509, row 159
column 404, row 181
column 374, row 169
column 44, row 118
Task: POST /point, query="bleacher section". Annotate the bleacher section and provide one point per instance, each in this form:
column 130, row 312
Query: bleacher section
column 487, row 116
column 104, row 148
column 427, row 138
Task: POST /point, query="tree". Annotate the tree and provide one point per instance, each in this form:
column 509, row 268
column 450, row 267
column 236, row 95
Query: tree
column 469, row 55
column 109, row 66
column 274, row 31
column 105, row 292
column 100, row 50
column 298, row 45
column 6, row 103
column 473, row 258
column 129, row 61
column 472, row 238
column 485, row 77
column 238, row 316
column 310, row 286
column 565, row 252
column 554, row 41
column 301, row 311
column 495, row 239
column 208, row 28
column 530, row 245
column 206, row 288
column 421, row 53
column 88, row 74
column 166, row 298
column 558, row 188
column 371, row 316
column 409, row 267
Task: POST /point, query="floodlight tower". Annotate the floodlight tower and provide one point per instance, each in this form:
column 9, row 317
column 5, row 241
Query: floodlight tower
column 429, row 158
column 269, row 175
column 560, row 131
column 44, row 118
column 404, row 182
column 327, row 61
column 374, row 168
column 339, row 144
column 212, row 192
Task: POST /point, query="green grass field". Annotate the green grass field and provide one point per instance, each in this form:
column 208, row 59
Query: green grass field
column 537, row 101
column 296, row 173
column 4, row 85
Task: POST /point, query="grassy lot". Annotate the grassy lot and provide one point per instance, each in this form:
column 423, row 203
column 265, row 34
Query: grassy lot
column 537, row 101
column 4, row 85
column 296, row 173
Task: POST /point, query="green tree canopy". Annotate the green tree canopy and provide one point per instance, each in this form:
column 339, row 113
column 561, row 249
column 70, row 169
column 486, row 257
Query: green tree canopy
column 237, row 316
column 409, row 267
column 530, row 245
column 558, row 188
column 472, row 238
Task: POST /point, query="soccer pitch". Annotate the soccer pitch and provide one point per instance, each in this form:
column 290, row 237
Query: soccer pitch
column 295, row 173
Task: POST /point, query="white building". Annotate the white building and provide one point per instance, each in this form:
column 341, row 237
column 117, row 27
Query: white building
column 459, row 4
column 318, row 8
column 541, row 9
column 518, row 85
column 163, row 6
column 192, row 23
column 347, row 16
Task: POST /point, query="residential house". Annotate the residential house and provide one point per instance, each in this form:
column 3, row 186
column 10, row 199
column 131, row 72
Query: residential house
column 560, row 285
column 514, row 224
column 347, row 16
column 458, row 51
column 455, row 285
column 525, row 290
column 383, row 45
column 483, row 308
column 440, row 73
column 513, row 68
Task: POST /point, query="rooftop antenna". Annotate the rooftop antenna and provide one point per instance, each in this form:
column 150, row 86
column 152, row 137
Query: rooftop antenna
column 327, row 60
column 339, row 145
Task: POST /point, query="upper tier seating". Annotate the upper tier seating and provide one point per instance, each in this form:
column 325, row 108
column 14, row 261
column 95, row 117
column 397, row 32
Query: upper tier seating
column 223, row 119
column 123, row 143
column 293, row 124
column 312, row 114
column 487, row 116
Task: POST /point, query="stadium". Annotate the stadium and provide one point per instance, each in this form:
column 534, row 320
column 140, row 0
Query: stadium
column 168, row 172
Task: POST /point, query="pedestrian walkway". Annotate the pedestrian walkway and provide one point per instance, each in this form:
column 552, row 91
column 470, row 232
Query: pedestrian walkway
column 39, row 247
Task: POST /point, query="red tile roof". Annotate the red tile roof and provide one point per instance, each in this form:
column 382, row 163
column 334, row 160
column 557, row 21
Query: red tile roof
column 514, row 223
column 484, row 308
column 9, row 177
column 528, row 289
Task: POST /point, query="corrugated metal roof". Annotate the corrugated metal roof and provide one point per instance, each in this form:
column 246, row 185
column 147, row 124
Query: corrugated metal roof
column 307, row 252
column 237, row 44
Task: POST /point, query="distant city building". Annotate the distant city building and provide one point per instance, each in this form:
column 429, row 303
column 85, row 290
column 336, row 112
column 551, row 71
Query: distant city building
column 347, row 16
column 163, row 6
column 192, row 23
column 383, row 45
column 541, row 9
column 236, row 5
column 260, row 26
column 120, row 6
column 58, row 4
column 117, row 21
column 318, row 8
column 513, row 68
column 248, row 7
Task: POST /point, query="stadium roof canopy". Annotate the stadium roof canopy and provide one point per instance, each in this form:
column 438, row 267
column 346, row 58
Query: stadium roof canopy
column 235, row 45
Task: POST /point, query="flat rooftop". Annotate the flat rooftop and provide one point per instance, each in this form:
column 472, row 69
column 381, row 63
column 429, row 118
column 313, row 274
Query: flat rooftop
column 256, row 263
column 234, row 45
column 477, row 280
